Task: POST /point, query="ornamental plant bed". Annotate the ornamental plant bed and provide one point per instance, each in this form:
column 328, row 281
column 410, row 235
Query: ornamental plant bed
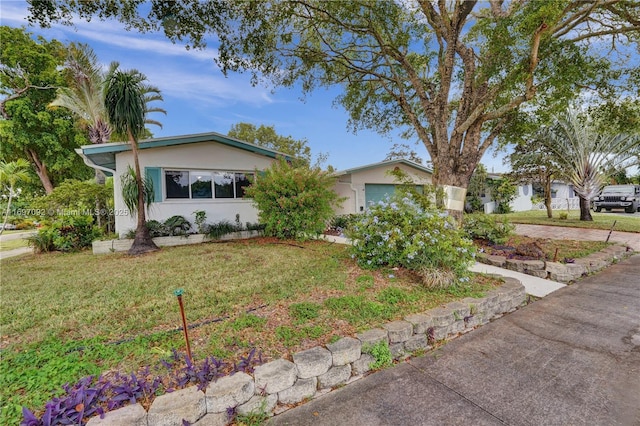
column 67, row 316
column 527, row 248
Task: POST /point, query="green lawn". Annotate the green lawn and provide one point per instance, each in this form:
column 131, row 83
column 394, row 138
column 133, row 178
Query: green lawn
column 600, row 220
column 64, row 316
column 12, row 244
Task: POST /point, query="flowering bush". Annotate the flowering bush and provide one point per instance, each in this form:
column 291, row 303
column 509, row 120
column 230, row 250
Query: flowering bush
column 400, row 232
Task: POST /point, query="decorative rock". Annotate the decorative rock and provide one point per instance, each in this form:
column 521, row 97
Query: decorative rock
column 533, row 265
column 416, row 343
column 335, row 376
column 371, row 337
column 301, row 390
column 515, row 265
column 172, row 408
column 441, row 332
column 421, row 322
column 456, row 327
column 312, row 362
column 558, row 272
column 214, row 419
column 498, row 261
column 460, row 310
column 345, row 350
column 442, row 317
column 363, row 364
column 229, row 392
column 576, row 269
column 397, row 351
column 130, row 415
column 275, row 376
column 258, row 404
column 399, row 331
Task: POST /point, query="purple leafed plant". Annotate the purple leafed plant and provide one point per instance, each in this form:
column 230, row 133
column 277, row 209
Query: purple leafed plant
column 90, row 396
column 82, row 400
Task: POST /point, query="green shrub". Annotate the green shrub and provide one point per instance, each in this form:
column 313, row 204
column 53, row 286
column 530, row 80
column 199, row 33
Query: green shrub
column 177, row 225
column 342, row 222
column 563, row 215
column 224, row 227
column 487, row 227
column 67, row 234
column 381, row 353
column 78, row 198
column 42, row 241
column 293, row 201
column 399, row 232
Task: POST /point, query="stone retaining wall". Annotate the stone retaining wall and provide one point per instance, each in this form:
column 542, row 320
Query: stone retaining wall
column 276, row 385
column 113, row 246
column 556, row 271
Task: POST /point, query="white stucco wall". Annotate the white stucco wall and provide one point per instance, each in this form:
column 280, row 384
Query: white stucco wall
column 522, row 201
column 352, row 185
column 196, row 156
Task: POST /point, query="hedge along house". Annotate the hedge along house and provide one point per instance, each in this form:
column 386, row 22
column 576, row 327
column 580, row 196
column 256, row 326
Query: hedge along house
column 373, row 182
column 207, row 172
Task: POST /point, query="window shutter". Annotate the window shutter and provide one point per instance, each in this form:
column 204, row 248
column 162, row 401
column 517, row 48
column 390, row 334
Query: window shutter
column 155, row 174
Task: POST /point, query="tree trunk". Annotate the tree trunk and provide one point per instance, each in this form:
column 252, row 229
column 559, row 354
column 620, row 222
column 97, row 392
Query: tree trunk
column 547, row 198
column 41, row 171
column 142, row 243
column 6, row 215
column 453, row 176
column 585, row 209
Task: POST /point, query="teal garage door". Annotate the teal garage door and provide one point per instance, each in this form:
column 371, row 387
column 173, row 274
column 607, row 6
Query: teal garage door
column 374, row 192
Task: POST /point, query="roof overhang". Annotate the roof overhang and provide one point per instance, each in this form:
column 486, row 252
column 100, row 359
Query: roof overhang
column 384, row 164
column 103, row 156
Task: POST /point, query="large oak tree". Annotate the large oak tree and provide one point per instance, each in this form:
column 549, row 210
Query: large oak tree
column 450, row 73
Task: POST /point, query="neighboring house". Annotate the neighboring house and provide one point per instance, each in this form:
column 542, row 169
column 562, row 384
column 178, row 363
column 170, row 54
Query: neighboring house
column 207, row 171
column 562, row 195
column 371, row 183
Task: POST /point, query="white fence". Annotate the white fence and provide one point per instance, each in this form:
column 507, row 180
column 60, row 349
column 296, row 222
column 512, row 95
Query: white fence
column 560, row 204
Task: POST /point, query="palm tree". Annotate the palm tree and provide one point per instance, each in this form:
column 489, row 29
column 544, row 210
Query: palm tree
column 126, row 96
column 11, row 174
column 586, row 155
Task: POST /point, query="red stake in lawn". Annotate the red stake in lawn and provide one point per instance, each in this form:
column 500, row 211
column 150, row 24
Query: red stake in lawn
column 178, row 294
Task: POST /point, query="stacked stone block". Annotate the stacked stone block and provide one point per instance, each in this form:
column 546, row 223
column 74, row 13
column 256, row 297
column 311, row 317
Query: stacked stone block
column 557, row 271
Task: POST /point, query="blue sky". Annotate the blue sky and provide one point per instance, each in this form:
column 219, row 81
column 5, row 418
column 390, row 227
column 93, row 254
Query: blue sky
column 199, row 98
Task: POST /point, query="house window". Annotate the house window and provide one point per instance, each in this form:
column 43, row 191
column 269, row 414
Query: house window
column 243, row 180
column 572, row 192
column 224, row 184
column 202, row 184
column 177, row 183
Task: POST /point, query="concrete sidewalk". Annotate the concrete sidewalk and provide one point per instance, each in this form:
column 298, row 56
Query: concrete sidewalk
column 534, row 286
column 572, row 358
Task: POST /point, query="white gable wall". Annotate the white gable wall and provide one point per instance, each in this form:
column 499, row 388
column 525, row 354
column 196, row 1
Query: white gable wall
column 196, row 156
column 352, row 185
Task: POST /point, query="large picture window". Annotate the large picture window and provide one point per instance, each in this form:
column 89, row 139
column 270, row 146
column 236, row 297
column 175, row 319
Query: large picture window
column 203, row 184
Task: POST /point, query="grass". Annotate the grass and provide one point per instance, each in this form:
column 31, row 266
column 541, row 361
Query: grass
column 600, row 220
column 12, row 244
column 65, row 316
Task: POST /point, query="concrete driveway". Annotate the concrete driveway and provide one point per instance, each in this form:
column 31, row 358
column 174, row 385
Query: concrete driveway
column 572, row 358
